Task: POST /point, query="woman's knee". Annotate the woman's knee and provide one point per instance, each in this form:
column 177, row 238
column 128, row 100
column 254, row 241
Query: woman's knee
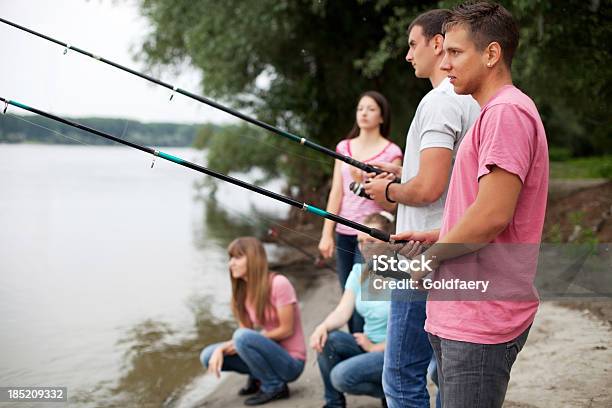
column 207, row 353
column 243, row 337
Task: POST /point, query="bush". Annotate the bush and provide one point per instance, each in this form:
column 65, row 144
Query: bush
column 606, row 169
column 559, row 154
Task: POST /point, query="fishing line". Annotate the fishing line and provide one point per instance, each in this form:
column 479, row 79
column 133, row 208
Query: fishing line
column 127, row 122
column 46, row 128
column 51, row 130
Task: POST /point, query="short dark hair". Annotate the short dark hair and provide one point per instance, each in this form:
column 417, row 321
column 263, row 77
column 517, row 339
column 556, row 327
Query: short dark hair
column 487, row 22
column 431, row 22
column 385, row 113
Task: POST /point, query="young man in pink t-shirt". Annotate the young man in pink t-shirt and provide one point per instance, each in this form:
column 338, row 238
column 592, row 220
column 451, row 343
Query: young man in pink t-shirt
column 497, row 196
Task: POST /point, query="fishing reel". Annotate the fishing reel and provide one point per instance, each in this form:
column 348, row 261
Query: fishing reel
column 359, row 190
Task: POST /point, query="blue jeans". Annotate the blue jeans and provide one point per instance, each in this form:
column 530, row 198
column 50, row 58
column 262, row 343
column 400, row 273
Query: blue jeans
column 260, row 357
column 408, row 352
column 347, row 368
column 473, row 375
column 347, row 255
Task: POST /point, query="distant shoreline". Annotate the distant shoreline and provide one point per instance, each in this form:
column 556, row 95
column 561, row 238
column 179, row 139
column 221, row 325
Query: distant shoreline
column 28, row 129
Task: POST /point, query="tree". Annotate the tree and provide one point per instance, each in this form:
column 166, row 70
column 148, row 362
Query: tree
column 301, row 64
column 560, row 63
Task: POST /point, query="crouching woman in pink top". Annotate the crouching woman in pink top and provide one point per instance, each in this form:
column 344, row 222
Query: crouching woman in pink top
column 269, row 345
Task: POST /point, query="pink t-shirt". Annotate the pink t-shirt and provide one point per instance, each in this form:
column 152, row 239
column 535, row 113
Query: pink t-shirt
column 282, row 294
column 508, row 134
column 353, row 207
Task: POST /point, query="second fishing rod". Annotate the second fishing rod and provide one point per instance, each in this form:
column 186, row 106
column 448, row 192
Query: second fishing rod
column 295, row 138
column 373, row 232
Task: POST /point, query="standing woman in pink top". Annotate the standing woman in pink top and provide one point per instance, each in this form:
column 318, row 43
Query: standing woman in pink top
column 367, row 142
column 269, row 345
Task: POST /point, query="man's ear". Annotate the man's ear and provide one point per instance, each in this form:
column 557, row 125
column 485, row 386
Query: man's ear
column 493, row 54
column 438, row 40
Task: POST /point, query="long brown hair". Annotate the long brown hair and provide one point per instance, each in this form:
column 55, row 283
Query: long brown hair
column 385, row 112
column 256, row 288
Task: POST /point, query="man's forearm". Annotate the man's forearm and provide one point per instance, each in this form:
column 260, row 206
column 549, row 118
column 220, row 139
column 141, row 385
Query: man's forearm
column 487, row 217
column 412, row 193
column 474, row 231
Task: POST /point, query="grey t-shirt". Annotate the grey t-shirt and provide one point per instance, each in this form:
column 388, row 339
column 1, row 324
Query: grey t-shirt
column 441, row 120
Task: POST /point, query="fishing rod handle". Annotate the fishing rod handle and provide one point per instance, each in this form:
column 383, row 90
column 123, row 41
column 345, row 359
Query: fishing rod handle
column 383, row 236
column 368, row 168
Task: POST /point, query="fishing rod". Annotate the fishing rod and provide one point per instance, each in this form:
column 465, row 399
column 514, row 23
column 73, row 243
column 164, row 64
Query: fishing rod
column 373, row 232
column 349, row 160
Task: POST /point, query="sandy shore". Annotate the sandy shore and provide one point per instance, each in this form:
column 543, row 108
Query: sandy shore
column 567, row 361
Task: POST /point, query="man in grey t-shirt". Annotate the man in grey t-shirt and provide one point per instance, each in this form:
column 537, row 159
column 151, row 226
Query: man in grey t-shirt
column 440, row 122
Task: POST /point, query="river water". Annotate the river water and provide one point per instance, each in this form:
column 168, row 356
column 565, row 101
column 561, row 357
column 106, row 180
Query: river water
column 113, row 274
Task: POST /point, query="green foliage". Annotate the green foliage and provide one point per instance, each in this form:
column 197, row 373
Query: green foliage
column 582, row 168
column 37, row 129
column 575, row 230
column 239, row 148
column 605, row 170
column 559, row 154
column 562, row 64
column 298, row 64
column 553, row 235
column 204, row 135
column 301, row 64
column 581, row 233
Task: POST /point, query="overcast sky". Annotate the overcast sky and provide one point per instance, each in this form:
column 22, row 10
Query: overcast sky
column 35, row 71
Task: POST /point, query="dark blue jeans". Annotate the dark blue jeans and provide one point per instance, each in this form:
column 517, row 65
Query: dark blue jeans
column 259, row 357
column 408, row 352
column 347, row 368
column 473, row 375
column 347, row 254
